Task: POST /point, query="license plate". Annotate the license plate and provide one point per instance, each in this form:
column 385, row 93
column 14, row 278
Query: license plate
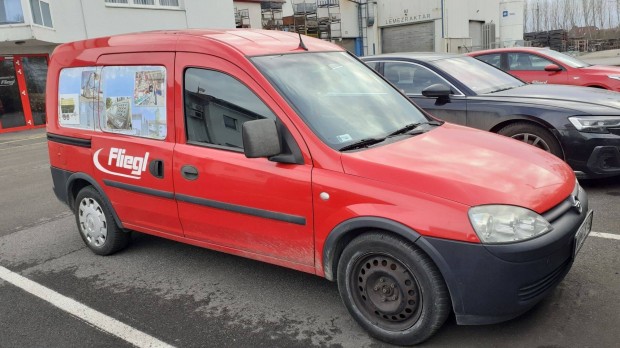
column 583, row 232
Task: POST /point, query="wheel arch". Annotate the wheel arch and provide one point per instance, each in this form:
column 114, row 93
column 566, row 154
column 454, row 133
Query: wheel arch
column 77, row 181
column 533, row 121
column 347, row 230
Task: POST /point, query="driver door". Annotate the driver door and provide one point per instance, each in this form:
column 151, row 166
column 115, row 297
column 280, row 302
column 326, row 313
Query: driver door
column 251, row 207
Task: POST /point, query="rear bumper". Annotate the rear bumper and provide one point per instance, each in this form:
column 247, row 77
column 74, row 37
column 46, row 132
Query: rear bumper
column 494, row 283
column 60, row 179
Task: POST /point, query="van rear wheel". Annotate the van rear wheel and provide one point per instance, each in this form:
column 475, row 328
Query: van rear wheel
column 96, row 223
column 392, row 289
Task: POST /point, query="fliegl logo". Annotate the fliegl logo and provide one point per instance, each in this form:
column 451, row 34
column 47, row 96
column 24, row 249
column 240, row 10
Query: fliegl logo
column 119, row 160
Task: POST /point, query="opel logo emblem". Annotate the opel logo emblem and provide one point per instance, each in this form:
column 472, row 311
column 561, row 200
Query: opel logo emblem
column 576, row 204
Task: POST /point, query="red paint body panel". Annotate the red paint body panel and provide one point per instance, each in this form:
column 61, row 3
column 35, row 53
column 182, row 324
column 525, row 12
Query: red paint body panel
column 591, row 76
column 468, row 166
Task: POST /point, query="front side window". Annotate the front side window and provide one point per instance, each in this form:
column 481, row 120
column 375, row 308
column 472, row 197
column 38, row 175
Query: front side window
column 342, row 100
column 411, row 78
column 526, row 61
column 41, row 13
column 11, row 12
column 216, row 106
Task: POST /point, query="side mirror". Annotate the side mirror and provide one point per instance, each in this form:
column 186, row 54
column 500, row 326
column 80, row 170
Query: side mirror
column 260, row 138
column 553, row 67
column 438, row 90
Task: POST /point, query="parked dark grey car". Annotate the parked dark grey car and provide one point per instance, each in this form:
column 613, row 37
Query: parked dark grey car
column 579, row 124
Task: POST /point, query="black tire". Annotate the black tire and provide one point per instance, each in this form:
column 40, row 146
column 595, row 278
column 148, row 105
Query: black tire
column 533, row 135
column 96, row 223
column 392, row 289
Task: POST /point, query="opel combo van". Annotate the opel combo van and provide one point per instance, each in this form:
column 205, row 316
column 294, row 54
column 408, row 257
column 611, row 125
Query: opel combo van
column 289, row 150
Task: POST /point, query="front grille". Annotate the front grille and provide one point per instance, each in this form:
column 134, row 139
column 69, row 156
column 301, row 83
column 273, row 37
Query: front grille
column 556, row 212
column 532, row 290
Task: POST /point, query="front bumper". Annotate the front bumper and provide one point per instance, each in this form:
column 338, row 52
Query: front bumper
column 494, row 283
column 592, row 155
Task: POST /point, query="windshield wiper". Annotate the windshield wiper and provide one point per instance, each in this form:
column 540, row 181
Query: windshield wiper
column 411, row 127
column 361, row 143
column 502, row 89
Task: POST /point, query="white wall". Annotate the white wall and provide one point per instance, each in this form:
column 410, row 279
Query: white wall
column 256, row 21
column 511, row 22
column 80, row 19
column 348, row 24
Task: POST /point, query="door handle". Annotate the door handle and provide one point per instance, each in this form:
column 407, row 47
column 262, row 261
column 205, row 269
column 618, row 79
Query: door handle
column 189, row 172
column 156, row 168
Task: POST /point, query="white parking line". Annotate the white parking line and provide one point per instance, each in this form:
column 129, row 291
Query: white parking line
column 605, row 235
column 91, row 316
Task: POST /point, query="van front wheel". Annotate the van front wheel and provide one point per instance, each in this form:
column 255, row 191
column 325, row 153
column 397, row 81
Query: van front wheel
column 96, row 224
column 392, row 289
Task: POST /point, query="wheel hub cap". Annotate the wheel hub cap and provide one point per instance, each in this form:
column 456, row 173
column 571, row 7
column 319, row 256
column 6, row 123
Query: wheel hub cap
column 533, row 140
column 93, row 223
column 387, row 291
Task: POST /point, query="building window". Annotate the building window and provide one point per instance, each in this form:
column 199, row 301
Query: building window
column 171, row 3
column 144, row 3
column 11, row 12
column 41, row 14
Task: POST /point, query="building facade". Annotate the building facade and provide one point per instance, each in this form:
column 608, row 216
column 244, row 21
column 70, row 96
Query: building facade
column 31, row 29
column 370, row 27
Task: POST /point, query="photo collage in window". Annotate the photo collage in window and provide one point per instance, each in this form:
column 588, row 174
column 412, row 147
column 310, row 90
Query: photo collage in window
column 124, row 99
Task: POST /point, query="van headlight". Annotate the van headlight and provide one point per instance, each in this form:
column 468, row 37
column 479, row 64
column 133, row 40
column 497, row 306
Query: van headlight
column 495, row 224
column 615, row 77
column 595, row 124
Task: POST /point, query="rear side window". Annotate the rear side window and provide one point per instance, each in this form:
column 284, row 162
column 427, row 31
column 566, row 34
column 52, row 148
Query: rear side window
column 78, row 97
column 120, row 99
column 492, row 59
column 134, row 101
column 216, row 106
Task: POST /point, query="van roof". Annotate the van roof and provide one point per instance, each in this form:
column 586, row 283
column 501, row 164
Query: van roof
column 250, row 42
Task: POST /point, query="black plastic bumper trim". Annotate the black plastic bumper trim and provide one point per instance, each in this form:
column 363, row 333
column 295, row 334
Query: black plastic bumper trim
column 611, row 153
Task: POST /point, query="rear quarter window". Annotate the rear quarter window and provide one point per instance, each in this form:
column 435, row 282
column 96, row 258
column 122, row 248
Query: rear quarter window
column 78, row 97
column 120, row 99
column 492, row 59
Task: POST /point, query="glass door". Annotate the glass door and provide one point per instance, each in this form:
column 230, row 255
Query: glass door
column 11, row 108
column 35, row 73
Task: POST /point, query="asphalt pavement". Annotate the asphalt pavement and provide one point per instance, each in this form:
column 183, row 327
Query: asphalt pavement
column 187, row 296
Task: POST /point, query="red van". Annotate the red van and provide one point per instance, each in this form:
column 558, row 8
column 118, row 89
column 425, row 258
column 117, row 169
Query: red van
column 291, row 151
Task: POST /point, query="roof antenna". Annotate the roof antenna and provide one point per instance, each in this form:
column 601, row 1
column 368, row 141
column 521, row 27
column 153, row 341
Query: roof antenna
column 301, row 42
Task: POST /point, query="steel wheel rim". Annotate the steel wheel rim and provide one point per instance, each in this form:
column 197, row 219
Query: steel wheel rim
column 386, row 292
column 93, row 224
column 533, row 140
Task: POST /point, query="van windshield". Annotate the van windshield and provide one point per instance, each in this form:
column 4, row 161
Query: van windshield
column 341, row 99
